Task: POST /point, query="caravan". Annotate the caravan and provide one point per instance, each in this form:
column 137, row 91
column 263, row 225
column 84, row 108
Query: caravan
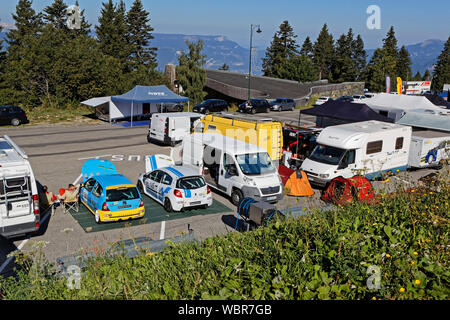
column 233, row 167
column 19, row 201
column 429, row 148
column 368, row 148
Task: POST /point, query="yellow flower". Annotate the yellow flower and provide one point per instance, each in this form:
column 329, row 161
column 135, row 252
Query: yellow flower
column 374, row 298
column 415, row 253
column 388, row 255
column 431, row 192
column 412, row 263
column 417, row 282
column 402, row 290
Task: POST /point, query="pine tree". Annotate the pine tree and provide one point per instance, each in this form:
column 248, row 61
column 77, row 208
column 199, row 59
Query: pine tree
column 27, row 23
column 441, row 74
column 190, row 72
column 324, row 53
column 359, row 57
column 404, row 64
column 282, row 47
column 112, row 32
column 426, row 75
column 343, row 67
column 299, row 68
column 139, row 36
column 391, row 55
column 307, row 48
column 417, row 77
column 56, row 15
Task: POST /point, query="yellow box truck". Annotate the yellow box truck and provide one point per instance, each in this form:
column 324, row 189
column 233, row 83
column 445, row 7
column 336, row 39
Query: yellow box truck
column 265, row 133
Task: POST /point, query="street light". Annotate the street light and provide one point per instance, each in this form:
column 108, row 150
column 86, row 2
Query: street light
column 250, row 62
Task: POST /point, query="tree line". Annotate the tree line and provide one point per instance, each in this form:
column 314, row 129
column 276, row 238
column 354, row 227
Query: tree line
column 48, row 63
column 344, row 60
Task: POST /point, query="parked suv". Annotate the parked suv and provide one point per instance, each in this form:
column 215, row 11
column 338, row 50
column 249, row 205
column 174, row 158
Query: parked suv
column 280, row 104
column 12, row 115
column 211, row 105
column 255, row 105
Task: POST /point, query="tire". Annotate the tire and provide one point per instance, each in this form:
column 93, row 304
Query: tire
column 167, row 205
column 252, row 110
column 97, row 217
column 236, row 197
column 15, row 122
column 268, row 110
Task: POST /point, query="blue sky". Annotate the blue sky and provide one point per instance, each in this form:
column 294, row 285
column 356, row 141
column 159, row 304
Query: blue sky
column 413, row 20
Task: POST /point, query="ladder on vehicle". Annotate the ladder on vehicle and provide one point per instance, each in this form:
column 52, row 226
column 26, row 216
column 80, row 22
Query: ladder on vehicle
column 20, row 192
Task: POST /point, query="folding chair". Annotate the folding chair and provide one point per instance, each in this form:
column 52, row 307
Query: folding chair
column 69, row 200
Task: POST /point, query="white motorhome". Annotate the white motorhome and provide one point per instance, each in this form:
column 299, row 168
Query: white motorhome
column 233, row 167
column 170, row 128
column 369, row 148
column 429, row 148
column 19, row 201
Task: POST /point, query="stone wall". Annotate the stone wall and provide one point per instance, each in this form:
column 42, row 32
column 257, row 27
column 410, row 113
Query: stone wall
column 334, row 91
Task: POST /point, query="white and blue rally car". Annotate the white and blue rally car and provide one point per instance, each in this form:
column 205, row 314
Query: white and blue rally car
column 175, row 187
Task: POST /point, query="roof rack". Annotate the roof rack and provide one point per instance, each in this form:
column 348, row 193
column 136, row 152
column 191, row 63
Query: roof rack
column 19, row 150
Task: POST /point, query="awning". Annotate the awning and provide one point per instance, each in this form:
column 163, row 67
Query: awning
column 428, row 121
column 95, row 102
column 147, row 94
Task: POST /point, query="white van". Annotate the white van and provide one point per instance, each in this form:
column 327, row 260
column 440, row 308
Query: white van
column 429, row 148
column 369, row 148
column 19, row 201
column 233, row 167
column 170, row 128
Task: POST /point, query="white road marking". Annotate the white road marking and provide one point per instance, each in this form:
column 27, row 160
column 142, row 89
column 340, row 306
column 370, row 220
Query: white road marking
column 163, row 230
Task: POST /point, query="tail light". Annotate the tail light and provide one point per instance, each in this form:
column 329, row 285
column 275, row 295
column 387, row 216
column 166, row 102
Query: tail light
column 142, row 203
column 105, row 207
column 178, row 193
column 35, row 204
column 208, row 190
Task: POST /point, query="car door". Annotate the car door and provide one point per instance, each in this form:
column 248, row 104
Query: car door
column 96, row 201
column 229, row 174
column 87, row 190
column 3, row 115
column 165, row 186
column 152, row 183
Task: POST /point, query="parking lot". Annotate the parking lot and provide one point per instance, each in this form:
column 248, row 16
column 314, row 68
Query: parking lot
column 57, row 154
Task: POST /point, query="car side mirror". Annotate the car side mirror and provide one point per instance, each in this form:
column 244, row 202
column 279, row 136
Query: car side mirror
column 232, row 171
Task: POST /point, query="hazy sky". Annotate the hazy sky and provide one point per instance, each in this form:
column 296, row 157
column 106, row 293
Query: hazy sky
column 413, row 20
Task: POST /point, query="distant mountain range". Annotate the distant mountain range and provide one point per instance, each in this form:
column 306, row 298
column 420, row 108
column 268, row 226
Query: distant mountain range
column 423, row 55
column 220, row 50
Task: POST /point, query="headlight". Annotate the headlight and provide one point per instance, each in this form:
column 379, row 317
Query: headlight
column 249, row 181
column 324, row 176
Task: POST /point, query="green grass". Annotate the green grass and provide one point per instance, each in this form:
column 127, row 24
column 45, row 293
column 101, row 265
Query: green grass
column 405, row 239
column 52, row 115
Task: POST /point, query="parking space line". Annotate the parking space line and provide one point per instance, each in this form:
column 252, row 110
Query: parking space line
column 163, row 230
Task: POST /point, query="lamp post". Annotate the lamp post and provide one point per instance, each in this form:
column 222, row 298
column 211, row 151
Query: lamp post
column 250, row 62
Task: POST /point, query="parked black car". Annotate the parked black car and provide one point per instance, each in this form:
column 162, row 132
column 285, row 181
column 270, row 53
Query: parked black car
column 170, row 107
column 280, row 104
column 345, row 99
column 211, row 105
column 255, row 105
column 12, row 115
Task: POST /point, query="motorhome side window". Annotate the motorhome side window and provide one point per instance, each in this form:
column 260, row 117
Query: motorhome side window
column 211, row 127
column 349, row 157
column 399, row 143
column 374, row 147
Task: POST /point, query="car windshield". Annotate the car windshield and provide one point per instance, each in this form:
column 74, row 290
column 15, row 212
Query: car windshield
column 190, row 183
column 255, row 163
column 122, row 194
column 327, row 155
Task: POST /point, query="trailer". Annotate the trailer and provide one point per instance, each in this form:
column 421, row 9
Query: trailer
column 429, row 148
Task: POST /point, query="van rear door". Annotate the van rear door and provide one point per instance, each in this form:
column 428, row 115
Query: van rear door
column 158, row 128
column 180, row 127
column 15, row 197
column 193, row 153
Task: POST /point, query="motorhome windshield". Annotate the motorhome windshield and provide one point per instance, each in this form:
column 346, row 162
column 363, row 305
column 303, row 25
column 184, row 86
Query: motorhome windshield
column 255, row 163
column 327, row 155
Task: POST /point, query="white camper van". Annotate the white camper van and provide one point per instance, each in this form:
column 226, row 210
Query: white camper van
column 428, row 148
column 233, row 167
column 170, row 128
column 368, row 148
column 19, row 201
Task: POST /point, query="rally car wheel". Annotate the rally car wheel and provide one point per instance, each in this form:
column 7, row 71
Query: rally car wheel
column 236, row 197
column 167, row 205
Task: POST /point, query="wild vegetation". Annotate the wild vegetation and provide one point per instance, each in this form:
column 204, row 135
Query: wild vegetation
column 398, row 249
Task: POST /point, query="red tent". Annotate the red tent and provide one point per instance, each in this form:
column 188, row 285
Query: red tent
column 343, row 191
